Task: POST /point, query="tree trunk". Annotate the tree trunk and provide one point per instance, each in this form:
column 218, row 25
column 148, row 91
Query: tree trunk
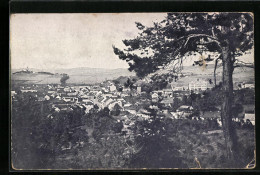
column 226, row 107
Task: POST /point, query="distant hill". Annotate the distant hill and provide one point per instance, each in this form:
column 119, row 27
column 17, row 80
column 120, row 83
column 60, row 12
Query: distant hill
column 23, row 71
column 46, row 73
column 93, row 75
column 83, row 75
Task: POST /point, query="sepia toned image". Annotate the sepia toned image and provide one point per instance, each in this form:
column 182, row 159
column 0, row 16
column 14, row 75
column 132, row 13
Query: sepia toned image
column 114, row 91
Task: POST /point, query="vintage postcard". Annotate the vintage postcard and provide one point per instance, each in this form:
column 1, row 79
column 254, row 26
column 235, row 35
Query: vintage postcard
column 115, row 91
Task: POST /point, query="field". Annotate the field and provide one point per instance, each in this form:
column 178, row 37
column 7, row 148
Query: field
column 196, row 72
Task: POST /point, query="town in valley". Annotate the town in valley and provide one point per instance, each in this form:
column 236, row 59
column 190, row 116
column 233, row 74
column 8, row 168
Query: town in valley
column 179, row 94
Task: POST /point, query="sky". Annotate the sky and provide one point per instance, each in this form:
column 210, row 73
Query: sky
column 53, row 41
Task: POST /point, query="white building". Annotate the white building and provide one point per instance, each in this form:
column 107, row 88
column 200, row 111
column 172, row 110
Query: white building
column 106, row 102
column 51, row 92
column 69, row 99
column 139, row 89
column 248, row 85
column 167, row 93
column 127, row 105
column 105, row 90
column 155, row 97
column 47, row 97
column 199, row 85
column 58, row 97
column 126, row 89
column 56, row 109
column 112, row 87
column 67, row 89
column 178, row 88
column 13, row 93
column 89, row 105
column 183, row 111
column 250, row 117
column 28, row 90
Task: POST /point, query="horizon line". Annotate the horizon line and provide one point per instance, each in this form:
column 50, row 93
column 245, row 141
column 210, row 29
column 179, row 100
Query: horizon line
column 68, row 68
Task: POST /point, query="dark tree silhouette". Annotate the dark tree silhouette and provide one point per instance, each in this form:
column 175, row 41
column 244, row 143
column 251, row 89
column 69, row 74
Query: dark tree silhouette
column 129, row 83
column 166, row 44
column 63, row 79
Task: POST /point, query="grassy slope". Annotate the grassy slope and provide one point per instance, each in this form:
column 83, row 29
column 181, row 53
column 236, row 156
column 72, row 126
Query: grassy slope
column 208, row 148
column 196, row 72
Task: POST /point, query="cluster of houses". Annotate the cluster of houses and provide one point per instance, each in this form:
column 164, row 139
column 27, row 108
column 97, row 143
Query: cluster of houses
column 88, row 96
column 106, row 94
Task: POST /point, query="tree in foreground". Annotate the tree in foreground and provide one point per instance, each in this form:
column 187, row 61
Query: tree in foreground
column 162, row 49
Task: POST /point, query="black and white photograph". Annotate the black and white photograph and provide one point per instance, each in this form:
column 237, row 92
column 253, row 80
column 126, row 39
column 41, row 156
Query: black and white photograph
column 132, row 91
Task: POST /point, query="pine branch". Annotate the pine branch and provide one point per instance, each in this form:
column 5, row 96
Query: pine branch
column 202, row 35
